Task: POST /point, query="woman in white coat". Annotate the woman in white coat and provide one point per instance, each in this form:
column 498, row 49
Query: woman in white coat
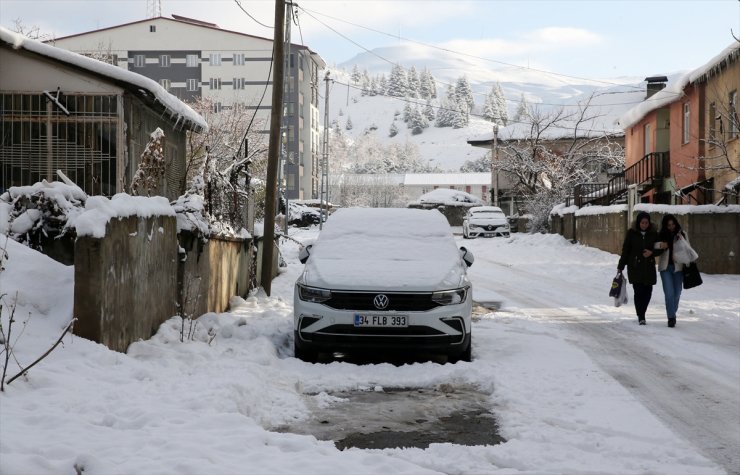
column 670, row 264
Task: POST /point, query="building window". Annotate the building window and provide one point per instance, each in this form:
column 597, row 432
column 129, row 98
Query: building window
column 712, row 123
column 192, row 84
column 217, row 107
column 139, row 60
column 165, row 83
column 215, row 83
column 191, row 61
column 152, row 28
column 215, row 59
column 648, row 144
column 686, row 122
column 238, row 83
column 238, row 59
column 164, row 60
column 734, row 121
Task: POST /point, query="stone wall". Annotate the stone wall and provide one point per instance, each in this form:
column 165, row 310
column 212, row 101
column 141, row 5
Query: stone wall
column 125, row 283
column 603, row 231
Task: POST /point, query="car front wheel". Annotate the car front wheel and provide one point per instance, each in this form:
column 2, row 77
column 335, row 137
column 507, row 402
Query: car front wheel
column 309, row 356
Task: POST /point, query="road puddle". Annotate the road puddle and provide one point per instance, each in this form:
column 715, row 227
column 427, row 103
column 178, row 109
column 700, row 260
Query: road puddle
column 401, row 417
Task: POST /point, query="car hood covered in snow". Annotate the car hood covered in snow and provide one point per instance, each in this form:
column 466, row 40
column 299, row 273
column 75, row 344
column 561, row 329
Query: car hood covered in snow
column 386, row 250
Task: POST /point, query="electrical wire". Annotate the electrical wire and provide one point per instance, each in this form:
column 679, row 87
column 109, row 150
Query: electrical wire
column 238, row 2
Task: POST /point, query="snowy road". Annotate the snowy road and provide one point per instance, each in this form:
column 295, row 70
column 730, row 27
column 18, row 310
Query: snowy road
column 689, row 389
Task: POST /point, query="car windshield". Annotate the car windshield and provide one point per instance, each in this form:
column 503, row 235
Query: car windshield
column 488, row 214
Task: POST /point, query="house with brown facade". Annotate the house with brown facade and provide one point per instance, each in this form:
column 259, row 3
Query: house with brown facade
column 681, row 142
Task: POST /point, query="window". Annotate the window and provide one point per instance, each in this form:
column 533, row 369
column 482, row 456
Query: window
column 152, row 28
column 648, row 145
column 165, row 83
column 712, row 121
column 215, row 83
column 191, row 61
column 238, row 59
column 238, row 83
column 217, row 107
column 139, row 60
column 164, row 60
column 686, row 122
column 734, row 124
column 192, row 84
column 215, row 59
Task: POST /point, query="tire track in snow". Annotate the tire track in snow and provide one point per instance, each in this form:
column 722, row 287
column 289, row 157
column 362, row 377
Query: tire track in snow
column 695, row 400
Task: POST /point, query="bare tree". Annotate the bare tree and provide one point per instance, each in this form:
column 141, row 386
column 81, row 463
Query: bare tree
column 34, row 32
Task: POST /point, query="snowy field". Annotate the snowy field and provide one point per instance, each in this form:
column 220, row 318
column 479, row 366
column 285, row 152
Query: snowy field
column 564, row 368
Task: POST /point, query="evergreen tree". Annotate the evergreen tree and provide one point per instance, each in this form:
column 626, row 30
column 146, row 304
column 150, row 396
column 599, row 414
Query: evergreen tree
column 425, row 85
column 490, row 107
column 522, row 112
column 503, row 108
column 417, row 122
column 433, row 85
column 397, row 83
column 373, row 89
column 429, row 111
column 348, row 125
column 407, row 112
column 356, row 76
column 414, row 83
column 394, row 129
column 464, row 93
column 382, row 85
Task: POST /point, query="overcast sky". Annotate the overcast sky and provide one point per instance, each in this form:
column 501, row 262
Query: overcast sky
column 586, row 38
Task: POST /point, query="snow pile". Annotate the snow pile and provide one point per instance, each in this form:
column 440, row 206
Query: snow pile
column 561, row 209
column 687, row 209
column 299, row 214
column 44, row 208
column 445, row 196
column 99, row 210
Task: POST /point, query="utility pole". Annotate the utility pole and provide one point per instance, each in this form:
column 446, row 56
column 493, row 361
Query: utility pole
column 287, row 117
column 494, row 172
column 273, row 154
column 324, row 190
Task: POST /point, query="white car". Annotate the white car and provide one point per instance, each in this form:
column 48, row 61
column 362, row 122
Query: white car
column 382, row 281
column 486, row 221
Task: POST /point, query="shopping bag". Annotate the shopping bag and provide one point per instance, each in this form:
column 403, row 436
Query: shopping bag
column 617, row 285
column 622, row 298
column 683, row 253
column 691, row 276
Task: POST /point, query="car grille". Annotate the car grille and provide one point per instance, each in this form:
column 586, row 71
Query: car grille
column 405, row 302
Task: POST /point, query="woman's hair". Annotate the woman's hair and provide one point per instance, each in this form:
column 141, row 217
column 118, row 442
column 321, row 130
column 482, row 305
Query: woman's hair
column 664, row 232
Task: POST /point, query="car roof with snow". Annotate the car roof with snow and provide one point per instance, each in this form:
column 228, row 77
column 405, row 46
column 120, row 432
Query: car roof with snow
column 486, row 209
column 390, row 248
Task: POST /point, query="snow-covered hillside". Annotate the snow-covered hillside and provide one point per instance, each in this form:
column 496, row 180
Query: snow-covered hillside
column 447, row 147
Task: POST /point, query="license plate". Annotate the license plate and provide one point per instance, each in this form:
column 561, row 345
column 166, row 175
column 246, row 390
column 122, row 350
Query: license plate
column 381, row 320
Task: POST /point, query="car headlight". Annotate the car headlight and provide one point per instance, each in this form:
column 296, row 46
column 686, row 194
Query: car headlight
column 313, row 294
column 450, row 297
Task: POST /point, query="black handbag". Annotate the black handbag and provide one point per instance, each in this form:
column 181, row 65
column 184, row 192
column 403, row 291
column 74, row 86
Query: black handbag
column 691, row 276
column 616, row 287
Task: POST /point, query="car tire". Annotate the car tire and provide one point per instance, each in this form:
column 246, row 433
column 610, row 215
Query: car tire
column 309, row 356
column 465, row 355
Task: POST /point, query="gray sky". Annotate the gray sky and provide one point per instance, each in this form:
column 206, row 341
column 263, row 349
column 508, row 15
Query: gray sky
column 586, row 38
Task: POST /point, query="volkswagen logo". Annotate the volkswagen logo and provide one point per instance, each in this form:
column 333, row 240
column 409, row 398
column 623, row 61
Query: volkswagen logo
column 381, row 301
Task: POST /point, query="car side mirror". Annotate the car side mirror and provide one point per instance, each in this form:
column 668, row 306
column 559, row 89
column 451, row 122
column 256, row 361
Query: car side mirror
column 304, row 253
column 467, row 256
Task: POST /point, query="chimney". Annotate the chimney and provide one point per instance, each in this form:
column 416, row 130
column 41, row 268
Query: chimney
column 655, row 84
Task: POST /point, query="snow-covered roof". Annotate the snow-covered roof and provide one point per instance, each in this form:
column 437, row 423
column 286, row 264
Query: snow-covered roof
column 449, row 197
column 411, row 179
column 674, row 91
column 178, row 110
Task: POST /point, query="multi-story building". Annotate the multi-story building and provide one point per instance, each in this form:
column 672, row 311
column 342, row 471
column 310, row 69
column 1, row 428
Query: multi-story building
column 683, row 143
column 193, row 59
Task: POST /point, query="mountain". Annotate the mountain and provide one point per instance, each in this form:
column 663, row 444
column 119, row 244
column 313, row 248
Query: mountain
column 447, row 147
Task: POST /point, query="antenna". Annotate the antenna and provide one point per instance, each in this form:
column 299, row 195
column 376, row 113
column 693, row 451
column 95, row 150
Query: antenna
column 153, row 8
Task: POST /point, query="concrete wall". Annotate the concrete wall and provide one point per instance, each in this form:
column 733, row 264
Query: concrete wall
column 125, row 283
column 211, row 273
column 714, row 236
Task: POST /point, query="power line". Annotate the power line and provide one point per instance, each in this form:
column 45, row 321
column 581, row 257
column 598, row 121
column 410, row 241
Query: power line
column 446, row 49
column 238, row 2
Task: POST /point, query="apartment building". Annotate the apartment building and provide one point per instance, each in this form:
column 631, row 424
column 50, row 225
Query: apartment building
column 194, row 59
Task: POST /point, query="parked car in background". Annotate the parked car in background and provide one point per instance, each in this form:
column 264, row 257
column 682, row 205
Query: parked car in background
column 486, row 221
column 384, row 281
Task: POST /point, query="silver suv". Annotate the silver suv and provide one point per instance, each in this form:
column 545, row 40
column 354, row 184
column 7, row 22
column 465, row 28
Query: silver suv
column 384, row 280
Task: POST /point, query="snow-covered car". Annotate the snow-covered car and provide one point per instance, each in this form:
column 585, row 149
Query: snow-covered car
column 384, row 281
column 486, row 221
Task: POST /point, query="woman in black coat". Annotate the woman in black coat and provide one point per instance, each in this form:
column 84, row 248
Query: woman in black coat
column 638, row 255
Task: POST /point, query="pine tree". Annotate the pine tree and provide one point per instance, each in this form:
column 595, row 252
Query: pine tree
column 464, row 93
column 356, row 76
column 348, row 125
column 382, row 85
column 425, row 85
column 413, row 83
column 522, row 112
column 394, row 129
column 397, row 84
column 503, row 108
column 407, row 112
column 490, row 107
column 373, row 89
column 429, row 111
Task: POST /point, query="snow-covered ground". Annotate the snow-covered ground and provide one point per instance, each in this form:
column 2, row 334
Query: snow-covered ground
column 576, row 385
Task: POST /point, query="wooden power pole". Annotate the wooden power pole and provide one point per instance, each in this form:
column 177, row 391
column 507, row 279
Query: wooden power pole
column 273, row 154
